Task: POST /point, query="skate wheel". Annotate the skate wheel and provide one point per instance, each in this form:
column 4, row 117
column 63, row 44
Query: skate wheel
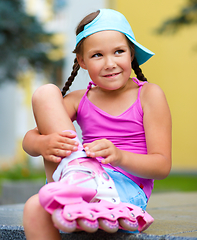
column 88, row 225
column 61, row 223
column 108, row 225
column 128, row 224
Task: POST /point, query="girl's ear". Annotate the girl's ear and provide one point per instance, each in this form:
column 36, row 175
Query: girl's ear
column 81, row 61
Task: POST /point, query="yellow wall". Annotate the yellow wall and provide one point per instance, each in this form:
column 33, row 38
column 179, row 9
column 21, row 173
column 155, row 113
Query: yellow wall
column 173, row 68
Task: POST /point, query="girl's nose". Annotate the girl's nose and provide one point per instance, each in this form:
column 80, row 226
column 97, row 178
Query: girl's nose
column 109, row 63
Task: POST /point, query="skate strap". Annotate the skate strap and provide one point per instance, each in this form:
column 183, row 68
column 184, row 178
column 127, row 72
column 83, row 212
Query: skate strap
column 78, row 169
column 64, row 163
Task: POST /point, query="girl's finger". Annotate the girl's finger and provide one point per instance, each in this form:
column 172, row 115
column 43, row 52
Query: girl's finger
column 64, row 146
column 62, row 153
column 55, row 159
column 99, row 153
column 68, row 134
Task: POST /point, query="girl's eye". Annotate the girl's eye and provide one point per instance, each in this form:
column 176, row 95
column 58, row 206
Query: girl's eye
column 119, row 51
column 97, row 55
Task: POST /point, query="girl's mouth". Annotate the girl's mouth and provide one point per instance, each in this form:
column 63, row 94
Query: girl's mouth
column 111, row 75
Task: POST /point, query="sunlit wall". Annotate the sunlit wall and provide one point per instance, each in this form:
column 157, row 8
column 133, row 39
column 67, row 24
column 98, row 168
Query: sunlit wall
column 173, row 68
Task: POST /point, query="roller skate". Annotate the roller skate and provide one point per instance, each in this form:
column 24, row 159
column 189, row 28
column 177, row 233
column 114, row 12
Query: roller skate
column 84, row 197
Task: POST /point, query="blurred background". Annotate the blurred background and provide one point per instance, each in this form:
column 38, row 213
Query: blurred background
column 37, row 38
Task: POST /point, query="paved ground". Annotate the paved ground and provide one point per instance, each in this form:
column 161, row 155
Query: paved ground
column 175, row 214
column 175, row 217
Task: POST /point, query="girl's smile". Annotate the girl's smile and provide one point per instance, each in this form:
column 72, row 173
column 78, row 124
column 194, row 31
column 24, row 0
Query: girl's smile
column 107, row 57
column 111, row 75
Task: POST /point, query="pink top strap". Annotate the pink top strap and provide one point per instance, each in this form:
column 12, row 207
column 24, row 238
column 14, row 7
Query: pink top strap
column 138, row 82
column 134, row 80
column 90, row 85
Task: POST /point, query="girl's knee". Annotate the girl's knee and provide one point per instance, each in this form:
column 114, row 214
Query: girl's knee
column 32, row 208
column 33, row 214
column 37, row 222
column 45, row 92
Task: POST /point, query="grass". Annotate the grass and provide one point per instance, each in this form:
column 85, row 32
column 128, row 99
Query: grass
column 177, row 182
column 22, row 172
column 174, row 182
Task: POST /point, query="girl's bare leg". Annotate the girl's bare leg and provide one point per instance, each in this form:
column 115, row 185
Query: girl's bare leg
column 49, row 110
column 37, row 222
column 51, row 116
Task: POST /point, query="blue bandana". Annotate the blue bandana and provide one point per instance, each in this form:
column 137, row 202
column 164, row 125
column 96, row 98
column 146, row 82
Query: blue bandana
column 109, row 19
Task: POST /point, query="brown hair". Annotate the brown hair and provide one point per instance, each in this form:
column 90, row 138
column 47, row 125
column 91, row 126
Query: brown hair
column 78, row 50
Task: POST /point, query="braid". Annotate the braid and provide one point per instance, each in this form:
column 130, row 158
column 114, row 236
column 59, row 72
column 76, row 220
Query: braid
column 71, row 78
column 78, row 50
column 138, row 70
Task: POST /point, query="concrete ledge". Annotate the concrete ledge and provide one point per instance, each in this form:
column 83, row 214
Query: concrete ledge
column 17, row 233
column 15, row 192
column 175, row 217
column 175, row 214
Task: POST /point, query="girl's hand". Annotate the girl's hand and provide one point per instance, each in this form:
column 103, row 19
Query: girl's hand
column 106, row 149
column 55, row 146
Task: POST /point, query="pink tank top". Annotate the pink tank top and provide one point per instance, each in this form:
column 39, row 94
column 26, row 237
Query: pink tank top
column 125, row 131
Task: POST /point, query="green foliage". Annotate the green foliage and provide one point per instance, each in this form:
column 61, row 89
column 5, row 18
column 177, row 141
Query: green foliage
column 23, row 171
column 177, row 182
column 187, row 16
column 174, row 182
column 23, row 42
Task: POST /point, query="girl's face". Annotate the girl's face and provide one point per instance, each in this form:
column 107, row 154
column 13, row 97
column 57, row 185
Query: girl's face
column 107, row 57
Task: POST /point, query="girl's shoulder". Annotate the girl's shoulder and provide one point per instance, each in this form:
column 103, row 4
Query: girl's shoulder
column 151, row 88
column 75, row 96
column 72, row 100
column 151, row 93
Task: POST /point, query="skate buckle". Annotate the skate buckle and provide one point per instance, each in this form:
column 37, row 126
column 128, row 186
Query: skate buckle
column 132, row 214
column 105, row 176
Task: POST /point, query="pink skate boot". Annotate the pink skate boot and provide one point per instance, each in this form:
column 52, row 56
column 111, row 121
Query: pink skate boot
column 85, row 197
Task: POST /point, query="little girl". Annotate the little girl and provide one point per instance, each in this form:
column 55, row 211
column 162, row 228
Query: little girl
column 125, row 123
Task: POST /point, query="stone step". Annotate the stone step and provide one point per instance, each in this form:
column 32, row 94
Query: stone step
column 175, row 217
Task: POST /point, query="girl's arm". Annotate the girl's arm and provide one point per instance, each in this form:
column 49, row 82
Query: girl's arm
column 30, row 142
column 156, row 164
column 157, row 124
